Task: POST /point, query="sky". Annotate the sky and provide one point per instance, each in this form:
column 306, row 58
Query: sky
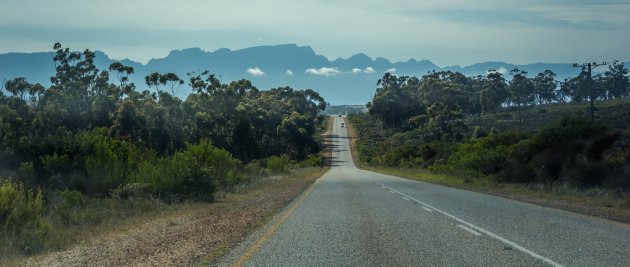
column 447, row 32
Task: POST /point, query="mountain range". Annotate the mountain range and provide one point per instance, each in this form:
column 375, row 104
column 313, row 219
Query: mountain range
column 340, row 81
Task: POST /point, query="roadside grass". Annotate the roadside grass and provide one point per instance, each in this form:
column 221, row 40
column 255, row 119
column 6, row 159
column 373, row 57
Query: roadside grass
column 594, row 201
column 74, row 225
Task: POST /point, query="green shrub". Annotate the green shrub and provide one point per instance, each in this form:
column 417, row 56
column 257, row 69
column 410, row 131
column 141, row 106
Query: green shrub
column 278, row 164
column 487, row 155
column 195, row 172
column 72, row 198
column 26, row 172
column 312, row 161
column 55, row 163
column 479, row 132
column 21, row 223
column 108, row 161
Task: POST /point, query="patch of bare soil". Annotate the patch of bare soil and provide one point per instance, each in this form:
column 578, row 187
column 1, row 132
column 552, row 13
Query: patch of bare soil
column 192, row 235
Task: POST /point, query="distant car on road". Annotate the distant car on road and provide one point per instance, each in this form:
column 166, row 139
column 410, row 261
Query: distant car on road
column 343, row 125
column 339, row 115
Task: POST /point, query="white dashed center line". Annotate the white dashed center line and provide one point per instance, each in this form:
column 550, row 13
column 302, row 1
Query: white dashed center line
column 478, row 229
column 427, row 209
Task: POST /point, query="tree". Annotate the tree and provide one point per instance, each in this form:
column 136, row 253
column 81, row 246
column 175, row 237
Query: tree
column 18, row 87
column 122, row 73
column 545, row 87
column 172, row 81
column 494, row 92
column 617, row 82
column 447, row 119
column 521, row 90
column 396, row 100
column 79, row 88
column 575, row 89
column 153, row 80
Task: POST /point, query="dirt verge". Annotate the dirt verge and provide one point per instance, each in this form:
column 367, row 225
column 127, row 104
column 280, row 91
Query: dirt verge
column 198, row 233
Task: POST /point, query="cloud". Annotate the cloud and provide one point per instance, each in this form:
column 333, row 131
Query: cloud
column 324, row 71
column 255, row 71
column 367, row 70
column 289, row 73
column 501, row 70
column 392, row 71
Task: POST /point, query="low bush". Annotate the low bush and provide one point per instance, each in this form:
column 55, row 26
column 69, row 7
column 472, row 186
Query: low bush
column 108, row 161
column 312, row 161
column 487, row 155
column 279, row 163
column 194, row 172
column 21, row 224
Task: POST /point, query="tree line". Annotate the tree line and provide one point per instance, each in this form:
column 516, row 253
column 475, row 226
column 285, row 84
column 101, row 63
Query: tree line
column 52, row 136
column 405, row 102
column 91, row 147
column 445, row 122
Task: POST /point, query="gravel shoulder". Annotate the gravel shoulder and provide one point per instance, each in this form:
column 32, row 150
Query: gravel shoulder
column 197, row 233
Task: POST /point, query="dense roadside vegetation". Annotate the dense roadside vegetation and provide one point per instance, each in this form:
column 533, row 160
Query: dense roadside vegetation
column 87, row 149
column 492, row 131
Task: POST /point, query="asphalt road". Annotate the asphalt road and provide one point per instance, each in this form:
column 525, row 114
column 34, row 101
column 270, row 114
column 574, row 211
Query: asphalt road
column 351, row 217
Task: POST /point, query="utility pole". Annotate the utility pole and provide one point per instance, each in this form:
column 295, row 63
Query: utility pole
column 589, row 66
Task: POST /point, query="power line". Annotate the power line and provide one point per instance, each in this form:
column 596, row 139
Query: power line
column 589, row 66
column 612, row 53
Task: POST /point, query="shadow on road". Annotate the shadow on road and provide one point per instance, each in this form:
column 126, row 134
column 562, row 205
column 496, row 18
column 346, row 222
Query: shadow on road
column 331, row 144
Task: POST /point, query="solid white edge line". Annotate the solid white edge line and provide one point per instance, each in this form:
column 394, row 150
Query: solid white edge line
column 469, row 230
column 505, row 241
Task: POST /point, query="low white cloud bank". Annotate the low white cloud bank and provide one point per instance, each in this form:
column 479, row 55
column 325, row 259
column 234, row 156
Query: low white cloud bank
column 367, row 70
column 392, row 71
column 501, row 70
column 255, row 71
column 324, row 71
column 289, row 73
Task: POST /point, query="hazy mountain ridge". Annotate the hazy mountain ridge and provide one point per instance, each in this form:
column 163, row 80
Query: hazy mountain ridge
column 340, row 81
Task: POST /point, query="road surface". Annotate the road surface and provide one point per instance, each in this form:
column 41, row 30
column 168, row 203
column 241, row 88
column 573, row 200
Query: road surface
column 351, row 217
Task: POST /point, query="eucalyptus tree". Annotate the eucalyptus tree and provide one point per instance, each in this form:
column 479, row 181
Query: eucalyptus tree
column 545, row 87
column 617, row 81
column 122, row 73
column 494, row 93
column 521, row 90
column 397, row 99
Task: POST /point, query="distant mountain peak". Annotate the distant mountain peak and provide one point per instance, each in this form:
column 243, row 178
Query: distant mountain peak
column 222, row 50
column 360, row 56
